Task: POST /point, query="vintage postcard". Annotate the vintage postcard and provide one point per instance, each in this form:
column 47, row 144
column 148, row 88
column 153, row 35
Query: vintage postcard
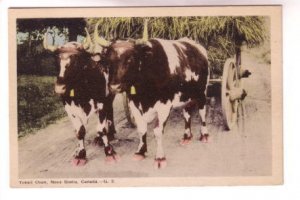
column 145, row 96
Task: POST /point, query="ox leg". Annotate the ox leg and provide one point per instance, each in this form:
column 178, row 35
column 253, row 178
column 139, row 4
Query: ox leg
column 187, row 136
column 142, row 148
column 79, row 126
column 202, row 111
column 110, row 118
column 110, row 121
column 102, row 127
column 80, row 152
column 204, row 132
column 142, row 130
column 162, row 114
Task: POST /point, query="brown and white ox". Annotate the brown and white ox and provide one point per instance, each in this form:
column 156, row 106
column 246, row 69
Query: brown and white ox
column 158, row 75
column 82, row 83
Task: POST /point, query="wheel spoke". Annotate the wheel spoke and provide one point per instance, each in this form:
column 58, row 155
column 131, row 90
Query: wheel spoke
column 230, row 83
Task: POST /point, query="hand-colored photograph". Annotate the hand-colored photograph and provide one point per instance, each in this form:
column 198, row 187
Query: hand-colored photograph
column 145, row 96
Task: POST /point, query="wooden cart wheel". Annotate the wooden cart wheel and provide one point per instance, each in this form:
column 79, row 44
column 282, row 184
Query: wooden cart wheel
column 129, row 116
column 232, row 91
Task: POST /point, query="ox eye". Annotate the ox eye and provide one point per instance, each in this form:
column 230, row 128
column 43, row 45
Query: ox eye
column 129, row 61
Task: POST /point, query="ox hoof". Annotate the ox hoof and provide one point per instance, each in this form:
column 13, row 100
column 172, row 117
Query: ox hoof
column 77, row 162
column 112, row 159
column 204, row 138
column 160, row 163
column 98, row 142
column 138, row 157
column 184, row 142
column 117, row 158
column 186, row 139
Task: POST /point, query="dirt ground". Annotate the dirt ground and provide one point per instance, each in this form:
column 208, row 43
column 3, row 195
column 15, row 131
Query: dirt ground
column 243, row 151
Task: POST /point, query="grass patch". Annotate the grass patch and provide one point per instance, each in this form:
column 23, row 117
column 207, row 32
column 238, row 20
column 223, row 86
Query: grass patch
column 38, row 105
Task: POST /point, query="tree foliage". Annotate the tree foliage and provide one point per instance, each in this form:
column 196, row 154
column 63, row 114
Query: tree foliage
column 74, row 25
column 32, row 58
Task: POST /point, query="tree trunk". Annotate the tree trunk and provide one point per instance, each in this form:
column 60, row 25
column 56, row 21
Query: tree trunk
column 72, row 34
column 238, row 55
column 28, row 53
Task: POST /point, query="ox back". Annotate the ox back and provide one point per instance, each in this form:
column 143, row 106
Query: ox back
column 168, row 70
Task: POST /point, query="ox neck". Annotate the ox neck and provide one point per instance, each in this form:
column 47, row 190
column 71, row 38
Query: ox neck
column 89, row 84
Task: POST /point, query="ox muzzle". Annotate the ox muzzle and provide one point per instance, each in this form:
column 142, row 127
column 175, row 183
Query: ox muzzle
column 115, row 88
column 60, row 86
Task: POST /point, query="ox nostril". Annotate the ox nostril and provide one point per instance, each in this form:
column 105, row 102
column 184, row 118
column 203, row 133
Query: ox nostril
column 60, row 88
column 115, row 88
column 110, row 89
column 60, row 80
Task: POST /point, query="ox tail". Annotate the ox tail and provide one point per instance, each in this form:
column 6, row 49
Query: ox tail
column 207, row 81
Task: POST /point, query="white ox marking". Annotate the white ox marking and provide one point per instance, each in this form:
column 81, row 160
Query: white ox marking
column 106, row 83
column 200, row 48
column 161, row 112
column 80, row 145
column 141, row 123
column 202, row 113
column 142, row 119
column 176, row 100
column 189, row 75
column 180, row 45
column 121, row 50
column 102, row 126
column 171, row 52
column 64, row 61
column 173, row 57
column 60, row 89
column 96, row 58
column 186, row 115
column 146, row 117
column 77, row 116
column 140, row 107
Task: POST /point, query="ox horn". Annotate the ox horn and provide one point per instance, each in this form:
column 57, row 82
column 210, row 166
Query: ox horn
column 145, row 33
column 100, row 40
column 145, row 38
column 87, row 42
column 46, row 45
